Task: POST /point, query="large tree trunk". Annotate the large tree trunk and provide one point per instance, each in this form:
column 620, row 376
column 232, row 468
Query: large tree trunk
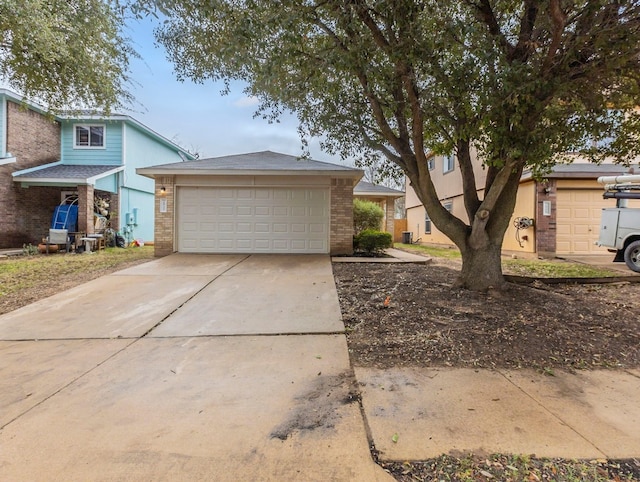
column 481, row 268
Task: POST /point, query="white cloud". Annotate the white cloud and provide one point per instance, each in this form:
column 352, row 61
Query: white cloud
column 246, row 101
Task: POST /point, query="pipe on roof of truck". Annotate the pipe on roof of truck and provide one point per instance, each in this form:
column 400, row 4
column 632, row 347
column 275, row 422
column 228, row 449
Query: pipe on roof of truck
column 622, row 179
column 621, row 195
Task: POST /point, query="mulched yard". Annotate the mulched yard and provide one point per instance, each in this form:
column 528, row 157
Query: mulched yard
column 408, row 315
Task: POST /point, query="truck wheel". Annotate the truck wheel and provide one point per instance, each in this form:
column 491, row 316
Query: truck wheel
column 632, row 256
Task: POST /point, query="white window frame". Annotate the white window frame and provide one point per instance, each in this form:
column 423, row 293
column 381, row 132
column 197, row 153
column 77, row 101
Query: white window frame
column 427, row 223
column 448, row 163
column 431, row 163
column 88, row 127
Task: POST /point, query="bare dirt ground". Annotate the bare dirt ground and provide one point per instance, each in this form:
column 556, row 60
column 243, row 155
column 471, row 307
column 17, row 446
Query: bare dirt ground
column 408, row 315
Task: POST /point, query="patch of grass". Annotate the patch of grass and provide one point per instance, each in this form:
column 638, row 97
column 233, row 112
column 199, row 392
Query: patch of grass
column 535, row 268
column 435, row 251
column 21, row 273
column 553, row 269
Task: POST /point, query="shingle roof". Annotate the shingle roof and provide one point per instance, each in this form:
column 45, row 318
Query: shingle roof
column 67, row 172
column 265, row 162
column 364, row 187
column 582, row 170
column 64, row 172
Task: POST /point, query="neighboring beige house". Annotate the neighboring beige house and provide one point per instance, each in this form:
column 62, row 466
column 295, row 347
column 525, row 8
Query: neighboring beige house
column 384, row 196
column 565, row 208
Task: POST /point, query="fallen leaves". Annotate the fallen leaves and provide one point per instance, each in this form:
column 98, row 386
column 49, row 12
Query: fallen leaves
column 408, row 315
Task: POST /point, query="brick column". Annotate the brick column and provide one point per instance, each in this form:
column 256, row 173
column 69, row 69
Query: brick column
column 341, row 231
column 85, row 209
column 546, row 225
column 114, row 211
column 164, row 221
column 390, row 212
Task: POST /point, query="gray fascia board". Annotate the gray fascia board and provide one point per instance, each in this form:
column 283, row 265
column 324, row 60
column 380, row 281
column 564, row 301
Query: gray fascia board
column 378, row 194
column 153, row 172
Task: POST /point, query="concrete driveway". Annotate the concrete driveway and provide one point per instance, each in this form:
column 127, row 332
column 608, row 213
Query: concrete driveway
column 190, row 367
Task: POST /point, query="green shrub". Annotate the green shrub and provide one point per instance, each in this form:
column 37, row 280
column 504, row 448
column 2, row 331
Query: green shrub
column 372, row 242
column 29, row 250
column 366, row 215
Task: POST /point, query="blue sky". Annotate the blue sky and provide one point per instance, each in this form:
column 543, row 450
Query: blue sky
column 197, row 116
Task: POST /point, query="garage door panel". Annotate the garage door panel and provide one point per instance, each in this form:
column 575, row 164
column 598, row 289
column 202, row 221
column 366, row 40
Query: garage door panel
column 298, row 211
column 280, row 211
column 578, row 221
column 253, row 219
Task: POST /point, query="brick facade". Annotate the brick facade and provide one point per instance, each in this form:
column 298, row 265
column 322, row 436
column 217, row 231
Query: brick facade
column 341, row 224
column 85, row 209
column 341, row 230
column 390, row 212
column 164, row 225
column 546, row 225
column 34, row 140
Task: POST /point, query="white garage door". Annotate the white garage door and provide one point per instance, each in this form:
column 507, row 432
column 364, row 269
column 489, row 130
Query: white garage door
column 253, row 220
column 578, row 221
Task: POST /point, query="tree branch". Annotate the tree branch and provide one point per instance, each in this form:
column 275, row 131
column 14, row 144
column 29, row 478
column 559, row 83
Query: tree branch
column 471, row 200
column 558, row 22
column 484, row 12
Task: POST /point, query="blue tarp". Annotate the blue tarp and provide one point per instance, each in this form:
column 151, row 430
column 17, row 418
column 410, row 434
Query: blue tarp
column 65, row 216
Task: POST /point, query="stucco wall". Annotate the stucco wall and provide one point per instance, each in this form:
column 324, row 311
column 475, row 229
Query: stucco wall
column 525, row 207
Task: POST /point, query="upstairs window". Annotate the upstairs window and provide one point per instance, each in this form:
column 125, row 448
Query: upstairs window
column 87, row 136
column 431, row 163
column 448, row 163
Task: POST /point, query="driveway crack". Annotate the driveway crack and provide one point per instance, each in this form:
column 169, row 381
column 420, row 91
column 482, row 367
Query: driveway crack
column 193, row 296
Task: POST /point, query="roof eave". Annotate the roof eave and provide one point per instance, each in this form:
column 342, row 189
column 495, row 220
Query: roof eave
column 154, row 172
column 378, row 194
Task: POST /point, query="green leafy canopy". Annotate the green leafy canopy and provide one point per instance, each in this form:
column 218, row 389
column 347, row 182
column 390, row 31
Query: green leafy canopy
column 519, row 84
column 67, row 54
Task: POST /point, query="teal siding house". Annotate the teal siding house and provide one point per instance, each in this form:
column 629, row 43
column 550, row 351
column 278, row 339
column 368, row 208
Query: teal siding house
column 96, row 169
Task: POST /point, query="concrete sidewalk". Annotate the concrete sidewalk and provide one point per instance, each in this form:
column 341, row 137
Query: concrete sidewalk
column 416, row 414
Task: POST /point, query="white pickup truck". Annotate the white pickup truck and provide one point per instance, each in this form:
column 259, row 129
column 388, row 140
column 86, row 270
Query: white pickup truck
column 620, row 226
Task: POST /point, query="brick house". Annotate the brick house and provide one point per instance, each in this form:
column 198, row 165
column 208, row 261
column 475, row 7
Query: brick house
column 261, row 202
column 48, row 160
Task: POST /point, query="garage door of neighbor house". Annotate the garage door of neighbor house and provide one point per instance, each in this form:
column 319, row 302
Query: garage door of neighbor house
column 253, row 220
column 578, row 221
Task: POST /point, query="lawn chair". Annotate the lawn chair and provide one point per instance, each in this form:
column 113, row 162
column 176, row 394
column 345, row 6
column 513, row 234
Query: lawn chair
column 58, row 237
